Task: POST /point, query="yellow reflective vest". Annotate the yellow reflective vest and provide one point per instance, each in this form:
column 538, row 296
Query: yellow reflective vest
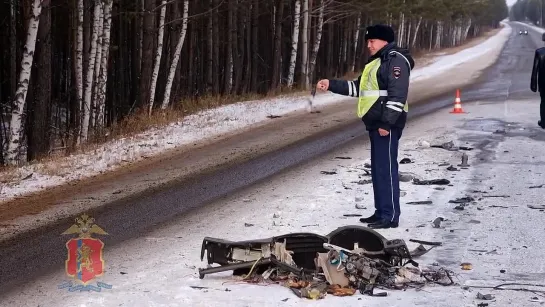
column 369, row 89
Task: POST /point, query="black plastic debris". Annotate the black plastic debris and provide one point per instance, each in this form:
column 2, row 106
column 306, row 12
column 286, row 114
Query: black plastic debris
column 431, row 182
column 464, row 161
column 462, row 200
column 420, row 202
column 405, row 161
column 452, row 168
column 460, row 207
column 273, row 116
column 343, row 158
column 465, row 148
column 536, row 186
column 328, row 173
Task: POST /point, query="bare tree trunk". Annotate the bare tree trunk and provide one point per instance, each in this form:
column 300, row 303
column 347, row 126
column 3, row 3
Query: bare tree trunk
column 16, row 122
column 157, row 65
column 98, row 60
column 210, row 46
column 229, row 46
column 79, row 65
column 103, row 78
column 147, row 51
column 316, row 47
column 416, row 31
column 255, row 44
column 277, row 46
column 13, row 49
column 90, row 71
column 356, row 41
column 304, row 39
column 174, row 64
column 294, row 42
column 40, row 109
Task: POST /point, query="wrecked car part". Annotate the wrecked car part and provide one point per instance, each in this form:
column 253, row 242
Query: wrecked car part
column 235, row 266
column 426, row 242
column 302, row 248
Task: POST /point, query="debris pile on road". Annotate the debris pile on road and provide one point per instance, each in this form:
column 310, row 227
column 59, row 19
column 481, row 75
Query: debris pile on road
column 349, row 259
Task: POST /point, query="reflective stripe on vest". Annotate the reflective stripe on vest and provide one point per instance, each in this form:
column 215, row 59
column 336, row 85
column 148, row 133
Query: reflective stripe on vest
column 369, row 89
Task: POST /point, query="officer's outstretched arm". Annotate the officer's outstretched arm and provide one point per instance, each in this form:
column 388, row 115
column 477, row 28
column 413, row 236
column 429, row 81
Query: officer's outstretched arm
column 535, row 70
column 344, row 87
column 398, row 89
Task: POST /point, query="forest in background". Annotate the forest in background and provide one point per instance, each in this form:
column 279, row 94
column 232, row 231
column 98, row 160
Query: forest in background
column 71, row 71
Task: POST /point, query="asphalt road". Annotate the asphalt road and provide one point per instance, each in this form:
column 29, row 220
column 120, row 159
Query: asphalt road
column 40, row 252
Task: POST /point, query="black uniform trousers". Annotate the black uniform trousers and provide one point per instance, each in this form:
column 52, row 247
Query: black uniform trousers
column 542, row 107
column 385, row 174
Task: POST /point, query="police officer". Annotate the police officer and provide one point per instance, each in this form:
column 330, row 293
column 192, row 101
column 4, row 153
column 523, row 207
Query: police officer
column 537, row 81
column 382, row 89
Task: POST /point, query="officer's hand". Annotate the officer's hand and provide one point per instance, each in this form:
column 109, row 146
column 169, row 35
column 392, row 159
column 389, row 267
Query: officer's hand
column 323, row 85
column 383, row 132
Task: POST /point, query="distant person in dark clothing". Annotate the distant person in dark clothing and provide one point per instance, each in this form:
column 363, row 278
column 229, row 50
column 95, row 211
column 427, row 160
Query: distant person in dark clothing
column 537, row 81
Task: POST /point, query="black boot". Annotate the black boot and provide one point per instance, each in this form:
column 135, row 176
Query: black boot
column 383, row 224
column 372, row 219
column 540, row 124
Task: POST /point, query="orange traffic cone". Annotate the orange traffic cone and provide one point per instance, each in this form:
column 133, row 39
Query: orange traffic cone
column 457, row 103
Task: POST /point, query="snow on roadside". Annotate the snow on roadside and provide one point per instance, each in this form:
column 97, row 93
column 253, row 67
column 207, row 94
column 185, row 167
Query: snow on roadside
column 204, row 125
column 303, row 200
column 444, row 63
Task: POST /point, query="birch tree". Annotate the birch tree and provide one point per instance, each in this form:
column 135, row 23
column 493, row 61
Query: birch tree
column 103, row 78
column 316, row 47
column 98, row 60
column 89, row 81
column 16, row 122
column 304, row 39
column 79, row 59
column 174, row 64
column 294, row 42
column 157, row 64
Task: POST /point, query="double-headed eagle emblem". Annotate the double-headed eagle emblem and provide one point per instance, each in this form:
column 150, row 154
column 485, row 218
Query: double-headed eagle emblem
column 85, row 226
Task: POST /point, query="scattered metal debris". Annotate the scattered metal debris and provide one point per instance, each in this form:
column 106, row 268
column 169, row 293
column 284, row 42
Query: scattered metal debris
column 349, row 259
column 464, row 160
column 462, row 200
column 421, row 202
column 328, row 172
column 538, row 207
column 426, row 242
column 431, row 182
column 486, row 297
